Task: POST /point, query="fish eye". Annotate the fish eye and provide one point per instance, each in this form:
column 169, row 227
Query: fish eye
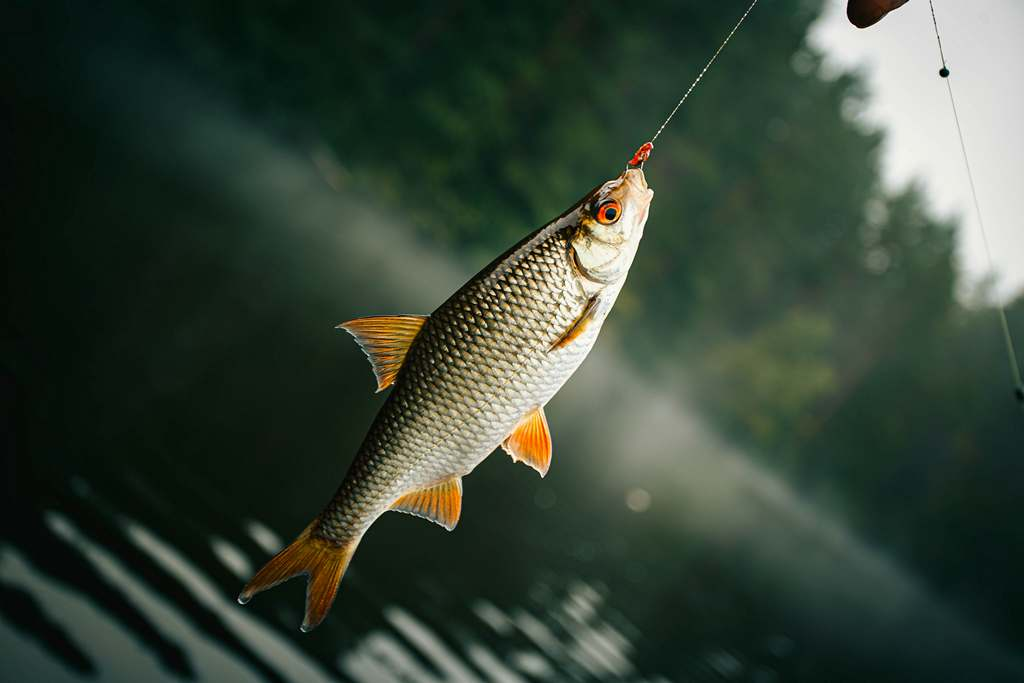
column 609, row 212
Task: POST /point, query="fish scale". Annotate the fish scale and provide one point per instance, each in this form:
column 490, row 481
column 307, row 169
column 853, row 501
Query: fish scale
column 440, row 392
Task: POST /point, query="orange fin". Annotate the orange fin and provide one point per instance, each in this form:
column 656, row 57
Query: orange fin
column 322, row 561
column 441, row 503
column 385, row 339
column 578, row 327
column 530, row 441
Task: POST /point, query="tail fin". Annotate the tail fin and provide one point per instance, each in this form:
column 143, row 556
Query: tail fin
column 319, row 559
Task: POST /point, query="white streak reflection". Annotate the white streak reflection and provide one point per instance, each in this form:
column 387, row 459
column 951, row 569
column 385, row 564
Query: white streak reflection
column 231, row 557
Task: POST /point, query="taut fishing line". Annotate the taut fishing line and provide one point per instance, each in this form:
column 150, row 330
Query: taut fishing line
column 1011, row 352
column 704, row 70
column 644, row 152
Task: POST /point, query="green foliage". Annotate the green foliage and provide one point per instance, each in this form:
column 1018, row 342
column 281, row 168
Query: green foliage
column 766, row 383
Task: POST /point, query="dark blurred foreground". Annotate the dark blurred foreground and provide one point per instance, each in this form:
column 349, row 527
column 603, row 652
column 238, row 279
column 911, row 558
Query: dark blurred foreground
column 201, row 195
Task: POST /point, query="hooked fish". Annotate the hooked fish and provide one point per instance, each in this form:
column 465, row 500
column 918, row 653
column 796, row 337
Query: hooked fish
column 474, row 374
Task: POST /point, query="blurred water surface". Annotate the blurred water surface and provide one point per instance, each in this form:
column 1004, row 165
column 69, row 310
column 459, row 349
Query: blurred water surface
column 182, row 407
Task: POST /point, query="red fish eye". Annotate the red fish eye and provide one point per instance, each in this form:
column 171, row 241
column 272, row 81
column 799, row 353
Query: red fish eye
column 609, row 212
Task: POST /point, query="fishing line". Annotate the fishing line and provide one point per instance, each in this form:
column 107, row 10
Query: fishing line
column 644, row 152
column 1011, row 352
column 704, row 70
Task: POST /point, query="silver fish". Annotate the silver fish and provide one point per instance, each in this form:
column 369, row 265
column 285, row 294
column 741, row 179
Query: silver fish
column 473, row 375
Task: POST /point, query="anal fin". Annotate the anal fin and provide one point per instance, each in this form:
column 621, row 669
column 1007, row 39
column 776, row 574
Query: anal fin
column 530, row 441
column 441, row 503
column 385, row 339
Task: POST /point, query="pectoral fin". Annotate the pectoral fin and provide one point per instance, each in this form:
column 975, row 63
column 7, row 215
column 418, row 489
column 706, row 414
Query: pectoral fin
column 530, row 441
column 441, row 503
column 579, row 326
column 385, row 339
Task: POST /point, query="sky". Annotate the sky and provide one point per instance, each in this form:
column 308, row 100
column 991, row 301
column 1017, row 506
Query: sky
column 984, row 49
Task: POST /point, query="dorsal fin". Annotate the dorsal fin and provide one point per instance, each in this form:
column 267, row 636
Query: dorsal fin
column 441, row 503
column 530, row 441
column 385, row 339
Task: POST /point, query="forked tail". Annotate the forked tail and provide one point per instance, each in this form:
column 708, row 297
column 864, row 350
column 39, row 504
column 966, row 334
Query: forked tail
column 322, row 561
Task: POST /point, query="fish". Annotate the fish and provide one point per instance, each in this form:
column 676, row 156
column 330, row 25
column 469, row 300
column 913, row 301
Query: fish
column 865, row 13
column 472, row 376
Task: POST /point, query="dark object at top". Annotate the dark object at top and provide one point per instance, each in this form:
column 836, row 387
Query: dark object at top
column 864, row 13
column 944, row 72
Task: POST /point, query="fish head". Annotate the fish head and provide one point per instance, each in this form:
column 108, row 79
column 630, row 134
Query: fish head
column 611, row 223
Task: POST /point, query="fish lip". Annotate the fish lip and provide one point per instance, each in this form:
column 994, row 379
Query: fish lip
column 635, row 177
column 637, row 183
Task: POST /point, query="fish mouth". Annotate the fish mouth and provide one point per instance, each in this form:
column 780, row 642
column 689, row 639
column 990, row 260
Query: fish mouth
column 635, row 177
column 637, row 183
